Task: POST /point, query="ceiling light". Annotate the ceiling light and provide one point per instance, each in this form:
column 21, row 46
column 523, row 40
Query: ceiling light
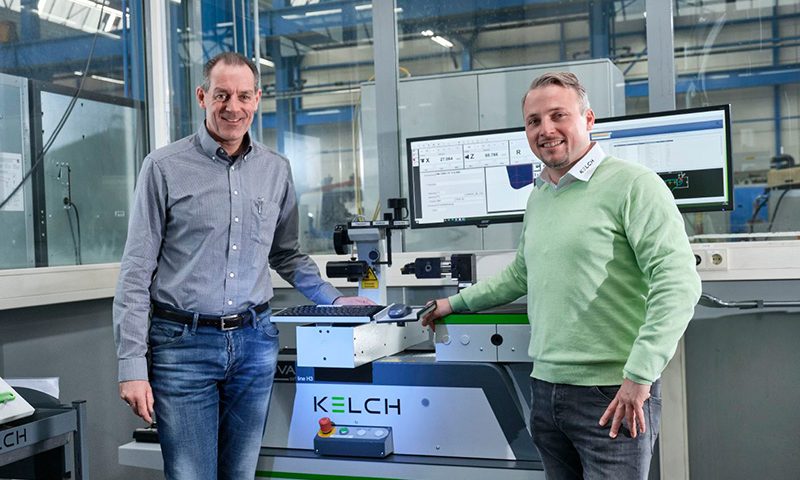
column 109, row 79
column 442, row 41
column 330, row 111
column 367, row 6
column 317, row 13
column 427, row 33
column 266, row 63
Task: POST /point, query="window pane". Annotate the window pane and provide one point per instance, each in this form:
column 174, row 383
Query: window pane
column 313, row 59
column 466, row 65
column 745, row 54
column 72, row 106
column 319, row 55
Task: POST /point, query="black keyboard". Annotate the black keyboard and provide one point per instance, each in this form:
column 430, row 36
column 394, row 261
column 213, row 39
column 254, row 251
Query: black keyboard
column 330, row 311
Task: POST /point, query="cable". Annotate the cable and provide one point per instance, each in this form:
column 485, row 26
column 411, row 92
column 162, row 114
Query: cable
column 64, row 117
column 777, row 206
column 75, row 241
column 764, row 199
column 69, row 205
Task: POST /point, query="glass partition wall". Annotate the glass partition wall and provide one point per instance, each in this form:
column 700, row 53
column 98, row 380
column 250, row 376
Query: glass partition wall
column 72, row 99
column 312, row 58
column 319, row 96
column 747, row 54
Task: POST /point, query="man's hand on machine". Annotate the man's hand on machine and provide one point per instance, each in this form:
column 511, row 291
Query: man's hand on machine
column 139, row 396
column 353, row 301
column 442, row 310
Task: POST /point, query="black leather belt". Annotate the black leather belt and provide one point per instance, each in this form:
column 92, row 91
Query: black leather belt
column 223, row 322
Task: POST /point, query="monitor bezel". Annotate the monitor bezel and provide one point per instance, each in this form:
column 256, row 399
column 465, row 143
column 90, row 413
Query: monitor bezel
column 727, row 205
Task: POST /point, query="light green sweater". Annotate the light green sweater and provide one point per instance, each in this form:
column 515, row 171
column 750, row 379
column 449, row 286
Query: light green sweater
column 609, row 274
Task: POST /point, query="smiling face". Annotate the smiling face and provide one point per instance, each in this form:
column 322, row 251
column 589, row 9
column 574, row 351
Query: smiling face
column 230, row 102
column 557, row 131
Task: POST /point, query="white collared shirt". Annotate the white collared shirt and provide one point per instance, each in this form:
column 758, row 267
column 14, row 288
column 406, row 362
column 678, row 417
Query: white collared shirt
column 582, row 170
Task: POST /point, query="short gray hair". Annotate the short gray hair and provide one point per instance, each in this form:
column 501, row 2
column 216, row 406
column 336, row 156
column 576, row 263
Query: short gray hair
column 228, row 58
column 561, row 79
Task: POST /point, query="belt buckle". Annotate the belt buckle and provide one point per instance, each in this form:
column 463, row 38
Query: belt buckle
column 225, row 318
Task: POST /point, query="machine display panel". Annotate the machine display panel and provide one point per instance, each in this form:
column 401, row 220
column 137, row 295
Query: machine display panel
column 480, row 178
column 473, row 178
column 689, row 149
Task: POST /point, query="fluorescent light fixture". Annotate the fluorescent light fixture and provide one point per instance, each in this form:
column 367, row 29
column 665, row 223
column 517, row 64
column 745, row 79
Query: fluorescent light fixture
column 319, row 13
column 427, row 33
column 266, row 63
column 329, row 111
column 109, row 79
column 78, row 73
column 367, row 6
column 225, row 24
column 291, row 17
column 442, row 41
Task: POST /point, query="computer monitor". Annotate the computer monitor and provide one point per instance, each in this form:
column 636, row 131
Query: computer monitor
column 689, row 149
column 481, row 178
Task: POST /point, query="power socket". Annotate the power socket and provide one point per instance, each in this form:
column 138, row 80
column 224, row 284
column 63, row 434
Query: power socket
column 711, row 259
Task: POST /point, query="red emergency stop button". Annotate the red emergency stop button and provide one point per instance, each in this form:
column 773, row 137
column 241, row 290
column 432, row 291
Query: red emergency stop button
column 325, row 427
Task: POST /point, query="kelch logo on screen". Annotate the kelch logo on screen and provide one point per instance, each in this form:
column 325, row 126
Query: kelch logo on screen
column 370, row 406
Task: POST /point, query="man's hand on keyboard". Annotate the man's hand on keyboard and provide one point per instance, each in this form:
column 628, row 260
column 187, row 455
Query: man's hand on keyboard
column 353, row 301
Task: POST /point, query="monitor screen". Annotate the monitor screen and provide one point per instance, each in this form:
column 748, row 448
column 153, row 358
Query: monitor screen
column 480, row 178
column 689, row 149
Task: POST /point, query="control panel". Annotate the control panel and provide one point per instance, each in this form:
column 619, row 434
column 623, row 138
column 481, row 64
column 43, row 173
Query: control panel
column 353, row 440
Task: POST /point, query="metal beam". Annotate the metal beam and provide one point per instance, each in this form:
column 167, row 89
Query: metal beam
column 301, row 20
column 66, row 52
column 600, row 18
column 724, row 80
column 159, row 113
column 384, row 21
column 660, row 55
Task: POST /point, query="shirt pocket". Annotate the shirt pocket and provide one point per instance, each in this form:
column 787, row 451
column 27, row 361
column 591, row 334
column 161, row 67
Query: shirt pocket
column 264, row 219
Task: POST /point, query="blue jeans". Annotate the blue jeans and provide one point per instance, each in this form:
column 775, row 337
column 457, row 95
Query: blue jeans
column 565, row 429
column 212, row 390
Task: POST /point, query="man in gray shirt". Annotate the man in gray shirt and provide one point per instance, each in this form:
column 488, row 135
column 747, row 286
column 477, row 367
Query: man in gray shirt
column 211, row 213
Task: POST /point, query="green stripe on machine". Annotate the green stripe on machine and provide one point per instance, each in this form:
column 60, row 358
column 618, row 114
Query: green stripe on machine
column 485, row 319
column 315, row 476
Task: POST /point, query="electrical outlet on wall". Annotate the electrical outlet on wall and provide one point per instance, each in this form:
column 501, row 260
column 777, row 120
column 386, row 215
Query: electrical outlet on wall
column 711, row 259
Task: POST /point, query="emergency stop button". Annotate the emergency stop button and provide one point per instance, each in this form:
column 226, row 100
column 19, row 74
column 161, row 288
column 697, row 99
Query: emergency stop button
column 325, row 427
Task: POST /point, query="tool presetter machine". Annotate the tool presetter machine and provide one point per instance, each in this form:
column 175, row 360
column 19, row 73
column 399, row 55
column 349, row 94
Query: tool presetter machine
column 368, row 392
column 374, row 394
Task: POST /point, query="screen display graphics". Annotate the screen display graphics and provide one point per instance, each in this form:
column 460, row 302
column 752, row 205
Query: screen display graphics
column 480, row 178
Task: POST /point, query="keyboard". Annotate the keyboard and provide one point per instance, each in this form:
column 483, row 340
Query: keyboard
column 328, row 313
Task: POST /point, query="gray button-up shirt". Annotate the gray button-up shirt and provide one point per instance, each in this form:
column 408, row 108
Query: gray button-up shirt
column 202, row 234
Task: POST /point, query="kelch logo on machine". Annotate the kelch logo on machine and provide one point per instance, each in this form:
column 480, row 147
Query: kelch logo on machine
column 370, row 406
column 14, row 439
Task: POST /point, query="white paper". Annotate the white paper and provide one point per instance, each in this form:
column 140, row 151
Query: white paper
column 14, row 409
column 10, row 176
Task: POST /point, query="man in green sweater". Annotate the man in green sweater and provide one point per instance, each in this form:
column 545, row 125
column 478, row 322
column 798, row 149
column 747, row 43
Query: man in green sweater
column 611, row 286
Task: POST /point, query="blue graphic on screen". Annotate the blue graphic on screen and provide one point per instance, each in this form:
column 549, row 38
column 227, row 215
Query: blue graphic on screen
column 520, row 176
